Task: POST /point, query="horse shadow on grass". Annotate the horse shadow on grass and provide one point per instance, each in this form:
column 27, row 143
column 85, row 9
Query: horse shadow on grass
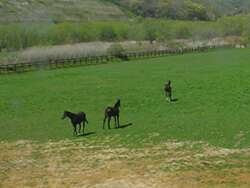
column 125, row 126
column 174, row 100
column 86, row 134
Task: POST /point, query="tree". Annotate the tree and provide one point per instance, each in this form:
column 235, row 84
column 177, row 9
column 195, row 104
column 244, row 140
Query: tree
column 146, row 8
column 107, row 34
column 196, row 11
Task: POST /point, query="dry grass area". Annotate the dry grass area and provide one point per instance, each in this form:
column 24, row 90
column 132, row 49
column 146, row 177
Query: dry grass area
column 83, row 49
column 82, row 163
column 99, row 48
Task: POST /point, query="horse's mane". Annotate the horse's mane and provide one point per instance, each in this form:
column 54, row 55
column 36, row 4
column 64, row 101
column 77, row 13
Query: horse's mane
column 118, row 103
column 68, row 112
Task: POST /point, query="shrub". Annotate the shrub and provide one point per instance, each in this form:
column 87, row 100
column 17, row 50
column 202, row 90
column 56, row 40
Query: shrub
column 19, row 36
column 107, row 34
column 183, row 30
column 116, row 50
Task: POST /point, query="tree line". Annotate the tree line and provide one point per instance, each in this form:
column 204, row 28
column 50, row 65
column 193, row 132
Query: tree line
column 18, row 36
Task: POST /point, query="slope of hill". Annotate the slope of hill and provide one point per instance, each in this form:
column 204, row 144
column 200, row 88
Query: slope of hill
column 58, row 10
column 79, row 10
column 185, row 9
column 227, row 7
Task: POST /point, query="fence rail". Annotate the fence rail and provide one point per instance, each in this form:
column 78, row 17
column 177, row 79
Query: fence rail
column 95, row 60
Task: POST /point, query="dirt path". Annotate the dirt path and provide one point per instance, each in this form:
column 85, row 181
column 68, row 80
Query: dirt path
column 77, row 164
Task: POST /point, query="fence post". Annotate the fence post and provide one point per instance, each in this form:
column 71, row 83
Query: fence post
column 1, row 69
column 6, row 69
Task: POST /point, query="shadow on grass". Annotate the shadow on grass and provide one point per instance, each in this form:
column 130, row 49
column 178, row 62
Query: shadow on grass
column 174, row 100
column 121, row 126
column 86, row 134
column 125, row 125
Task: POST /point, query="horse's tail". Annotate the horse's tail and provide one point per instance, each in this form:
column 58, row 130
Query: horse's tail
column 86, row 119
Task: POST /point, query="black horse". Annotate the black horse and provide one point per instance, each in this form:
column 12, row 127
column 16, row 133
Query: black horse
column 113, row 112
column 76, row 119
column 168, row 91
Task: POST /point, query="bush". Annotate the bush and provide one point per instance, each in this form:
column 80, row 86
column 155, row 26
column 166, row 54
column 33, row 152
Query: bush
column 108, row 34
column 183, row 30
column 116, row 50
column 19, row 36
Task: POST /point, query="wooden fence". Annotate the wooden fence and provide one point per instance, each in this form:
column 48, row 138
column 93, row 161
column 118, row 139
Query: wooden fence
column 94, row 60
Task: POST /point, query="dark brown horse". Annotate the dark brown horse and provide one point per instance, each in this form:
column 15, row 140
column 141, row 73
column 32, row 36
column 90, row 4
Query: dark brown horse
column 168, row 91
column 113, row 112
column 76, row 119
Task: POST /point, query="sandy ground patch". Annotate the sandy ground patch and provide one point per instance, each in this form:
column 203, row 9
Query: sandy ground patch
column 79, row 164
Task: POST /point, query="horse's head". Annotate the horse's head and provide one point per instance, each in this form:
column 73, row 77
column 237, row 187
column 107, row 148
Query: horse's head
column 64, row 115
column 118, row 103
column 168, row 84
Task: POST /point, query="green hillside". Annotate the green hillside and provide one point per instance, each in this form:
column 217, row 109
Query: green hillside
column 58, row 10
column 185, row 9
column 79, row 10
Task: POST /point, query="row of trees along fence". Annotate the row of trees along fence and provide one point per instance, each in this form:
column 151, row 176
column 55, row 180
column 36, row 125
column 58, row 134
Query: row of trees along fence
column 94, row 60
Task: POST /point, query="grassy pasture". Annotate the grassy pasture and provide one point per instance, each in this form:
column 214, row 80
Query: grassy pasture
column 213, row 92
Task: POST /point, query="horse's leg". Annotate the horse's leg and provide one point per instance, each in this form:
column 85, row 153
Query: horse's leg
column 104, row 120
column 83, row 127
column 115, row 122
column 80, row 126
column 75, row 133
column 109, row 118
column 118, row 120
column 167, row 96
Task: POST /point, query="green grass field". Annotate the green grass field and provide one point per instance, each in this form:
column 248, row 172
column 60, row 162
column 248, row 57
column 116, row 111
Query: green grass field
column 213, row 92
